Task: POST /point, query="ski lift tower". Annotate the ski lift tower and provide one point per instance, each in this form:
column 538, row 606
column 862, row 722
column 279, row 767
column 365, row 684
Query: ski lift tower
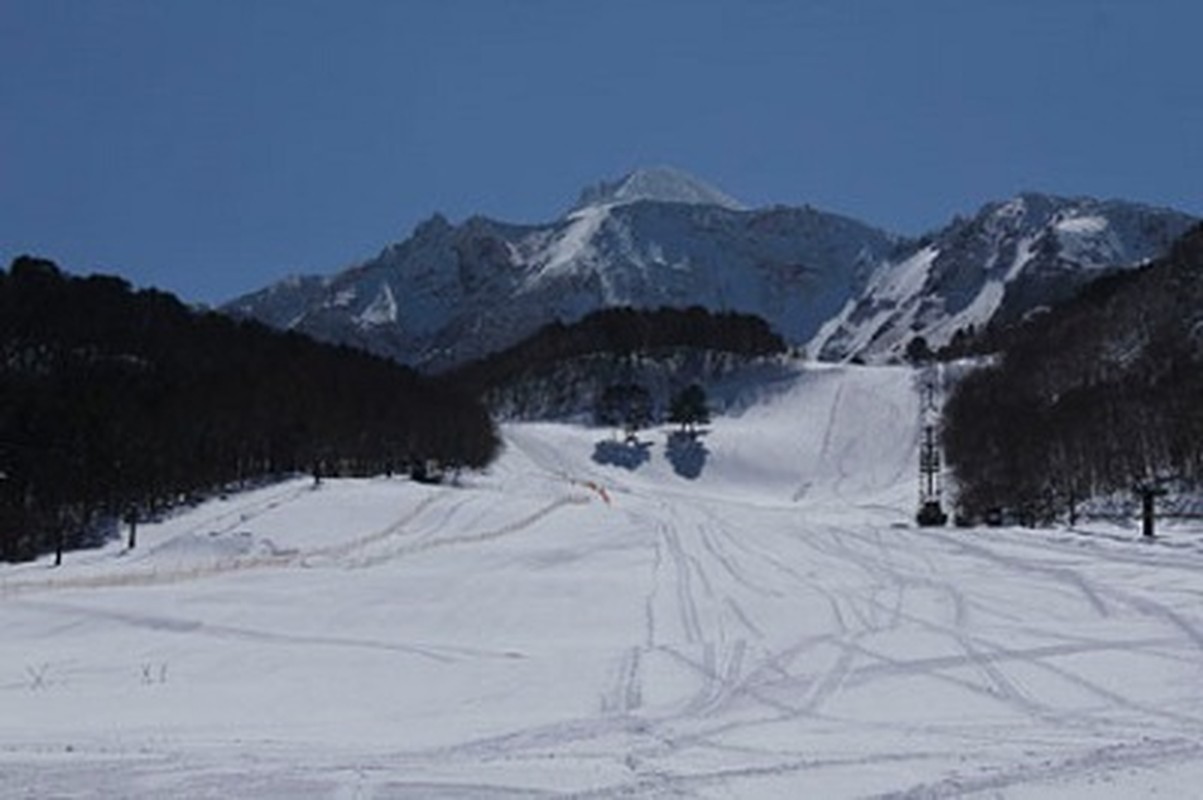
column 931, row 512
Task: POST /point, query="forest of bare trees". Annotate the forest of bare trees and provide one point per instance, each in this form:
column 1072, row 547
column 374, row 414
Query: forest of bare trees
column 1099, row 395
column 567, row 368
column 117, row 404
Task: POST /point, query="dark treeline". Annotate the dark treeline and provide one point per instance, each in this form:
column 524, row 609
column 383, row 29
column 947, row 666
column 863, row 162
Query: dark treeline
column 621, row 333
column 115, row 402
column 1101, row 394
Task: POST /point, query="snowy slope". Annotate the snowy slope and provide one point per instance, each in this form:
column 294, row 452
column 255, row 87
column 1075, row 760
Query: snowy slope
column 768, row 628
column 1009, row 259
column 659, row 184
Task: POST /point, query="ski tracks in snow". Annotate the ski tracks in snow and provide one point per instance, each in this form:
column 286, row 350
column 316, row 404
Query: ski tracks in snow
column 369, row 550
column 885, row 589
column 769, row 644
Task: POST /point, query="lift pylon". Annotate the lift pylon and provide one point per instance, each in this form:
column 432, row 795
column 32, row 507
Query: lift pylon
column 931, row 510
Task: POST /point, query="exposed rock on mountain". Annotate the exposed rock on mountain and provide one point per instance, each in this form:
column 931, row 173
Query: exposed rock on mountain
column 448, row 293
column 1011, row 258
column 658, row 237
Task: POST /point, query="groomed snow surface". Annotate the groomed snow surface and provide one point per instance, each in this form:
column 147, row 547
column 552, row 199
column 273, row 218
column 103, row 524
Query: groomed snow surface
column 756, row 619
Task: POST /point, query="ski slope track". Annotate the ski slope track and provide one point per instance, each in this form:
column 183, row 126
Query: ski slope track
column 772, row 627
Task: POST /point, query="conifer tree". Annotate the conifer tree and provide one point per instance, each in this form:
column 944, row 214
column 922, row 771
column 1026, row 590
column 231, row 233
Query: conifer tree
column 689, row 409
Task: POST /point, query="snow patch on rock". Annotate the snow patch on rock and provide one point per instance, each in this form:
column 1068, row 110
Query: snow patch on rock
column 381, row 311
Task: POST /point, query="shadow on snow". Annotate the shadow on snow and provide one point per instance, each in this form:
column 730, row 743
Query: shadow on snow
column 628, row 455
column 686, row 453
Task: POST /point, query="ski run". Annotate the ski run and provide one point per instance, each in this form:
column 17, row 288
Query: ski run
column 763, row 621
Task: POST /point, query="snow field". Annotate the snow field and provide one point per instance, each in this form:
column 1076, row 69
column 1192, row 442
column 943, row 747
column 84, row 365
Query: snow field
column 771, row 628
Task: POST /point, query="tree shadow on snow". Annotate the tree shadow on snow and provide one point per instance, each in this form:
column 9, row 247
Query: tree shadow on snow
column 628, row 455
column 687, row 454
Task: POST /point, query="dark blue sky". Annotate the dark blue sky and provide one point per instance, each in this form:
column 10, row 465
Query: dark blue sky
column 211, row 147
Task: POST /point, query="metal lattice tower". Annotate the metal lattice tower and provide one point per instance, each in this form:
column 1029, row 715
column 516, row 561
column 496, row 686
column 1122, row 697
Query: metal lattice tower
column 931, row 511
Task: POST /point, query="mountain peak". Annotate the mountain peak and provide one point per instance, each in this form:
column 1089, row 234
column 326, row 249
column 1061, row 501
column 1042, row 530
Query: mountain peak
column 661, row 184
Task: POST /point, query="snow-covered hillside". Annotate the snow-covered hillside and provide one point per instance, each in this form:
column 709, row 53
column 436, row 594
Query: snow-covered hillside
column 1009, row 259
column 658, row 236
column 755, row 618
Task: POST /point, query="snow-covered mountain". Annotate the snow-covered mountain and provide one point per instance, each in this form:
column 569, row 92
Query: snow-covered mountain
column 1011, row 258
column 660, row 184
column 656, row 237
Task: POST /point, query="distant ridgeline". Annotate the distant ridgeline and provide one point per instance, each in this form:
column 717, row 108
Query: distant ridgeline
column 561, row 370
column 1098, row 395
column 115, row 402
